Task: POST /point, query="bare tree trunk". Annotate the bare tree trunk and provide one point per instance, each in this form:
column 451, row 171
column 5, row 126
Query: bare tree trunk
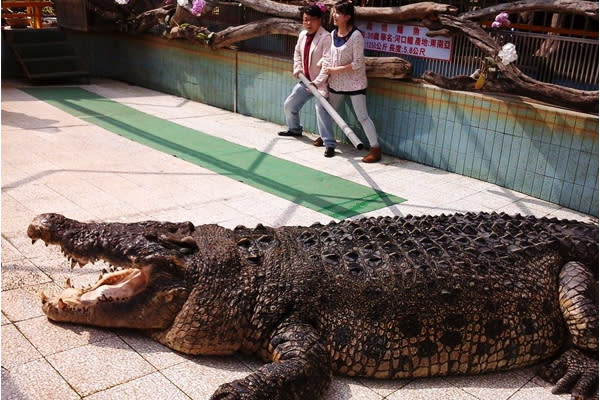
column 273, row 8
column 270, row 26
column 182, row 15
column 579, row 7
column 190, row 32
column 415, row 11
column 388, row 67
column 150, row 18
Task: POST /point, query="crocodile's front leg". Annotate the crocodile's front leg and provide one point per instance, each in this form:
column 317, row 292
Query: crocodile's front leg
column 576, row 370
column 299, row 369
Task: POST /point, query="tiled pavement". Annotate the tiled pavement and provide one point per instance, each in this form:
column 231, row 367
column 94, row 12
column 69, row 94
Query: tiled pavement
column 54, row 162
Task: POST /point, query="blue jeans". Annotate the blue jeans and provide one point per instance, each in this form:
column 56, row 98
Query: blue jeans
column 294, row 103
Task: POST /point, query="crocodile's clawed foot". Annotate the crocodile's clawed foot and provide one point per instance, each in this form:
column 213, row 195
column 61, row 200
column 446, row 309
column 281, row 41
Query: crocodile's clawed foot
column 573, row 372
column 232, row 391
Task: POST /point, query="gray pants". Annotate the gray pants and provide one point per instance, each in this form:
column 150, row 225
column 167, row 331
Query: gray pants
column 359, row 104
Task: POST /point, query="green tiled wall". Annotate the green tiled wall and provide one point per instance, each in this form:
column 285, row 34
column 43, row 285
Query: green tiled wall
column 171, row 67
column 546, row 152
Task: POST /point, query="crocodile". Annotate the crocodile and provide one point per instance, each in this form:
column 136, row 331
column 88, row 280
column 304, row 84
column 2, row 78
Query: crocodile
column 386, row 297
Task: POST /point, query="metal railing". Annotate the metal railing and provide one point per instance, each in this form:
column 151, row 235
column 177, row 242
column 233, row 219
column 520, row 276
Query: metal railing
column 567, row 61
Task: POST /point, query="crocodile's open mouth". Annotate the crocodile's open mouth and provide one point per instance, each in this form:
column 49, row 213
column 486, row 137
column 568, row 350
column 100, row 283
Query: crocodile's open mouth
column 116, row 286
column 144, row 287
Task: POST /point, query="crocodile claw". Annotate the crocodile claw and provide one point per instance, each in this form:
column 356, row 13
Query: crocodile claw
column 573, row 372
column 231, row 391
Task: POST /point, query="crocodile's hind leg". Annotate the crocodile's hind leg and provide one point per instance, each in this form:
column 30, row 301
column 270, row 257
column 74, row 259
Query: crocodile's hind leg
column 300, row 369
column 576, row 371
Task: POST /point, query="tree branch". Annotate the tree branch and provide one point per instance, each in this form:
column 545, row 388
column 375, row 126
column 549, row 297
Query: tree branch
column 576, row 99
column 408, row 12
column 587, row 8
column 415, row 11
column 190, row 32
column 513, row 80
column 150, row 18
column 388, row 67
column 273, row 8
column 270, row 26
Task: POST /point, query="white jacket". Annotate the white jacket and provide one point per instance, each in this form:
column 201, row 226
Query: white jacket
column 319, row 49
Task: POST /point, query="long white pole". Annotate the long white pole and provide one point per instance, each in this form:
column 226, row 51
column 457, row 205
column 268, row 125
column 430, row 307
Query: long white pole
column 331, row 111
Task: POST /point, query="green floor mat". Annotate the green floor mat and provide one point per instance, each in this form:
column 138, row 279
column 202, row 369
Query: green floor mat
column 319, row 191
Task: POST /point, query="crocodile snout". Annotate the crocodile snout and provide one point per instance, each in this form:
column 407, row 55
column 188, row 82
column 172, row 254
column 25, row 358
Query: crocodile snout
column 43, row 227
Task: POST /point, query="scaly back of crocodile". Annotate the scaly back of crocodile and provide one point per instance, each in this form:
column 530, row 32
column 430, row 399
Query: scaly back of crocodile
column 421, row 296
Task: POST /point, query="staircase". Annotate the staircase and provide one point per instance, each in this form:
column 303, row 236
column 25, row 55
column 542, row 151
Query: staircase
column 45, row 54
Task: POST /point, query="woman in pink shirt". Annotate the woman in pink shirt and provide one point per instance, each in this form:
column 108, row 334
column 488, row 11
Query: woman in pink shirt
column 345, row 65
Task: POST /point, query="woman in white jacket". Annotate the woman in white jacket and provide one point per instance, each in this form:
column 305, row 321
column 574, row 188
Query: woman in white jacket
column 311, row 48
column 345, row 65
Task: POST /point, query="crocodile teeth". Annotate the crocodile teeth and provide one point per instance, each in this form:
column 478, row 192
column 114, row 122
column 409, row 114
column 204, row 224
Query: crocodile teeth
column 105, row 298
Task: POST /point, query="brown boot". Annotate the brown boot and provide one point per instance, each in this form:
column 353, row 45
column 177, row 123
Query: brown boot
column 373, row 156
